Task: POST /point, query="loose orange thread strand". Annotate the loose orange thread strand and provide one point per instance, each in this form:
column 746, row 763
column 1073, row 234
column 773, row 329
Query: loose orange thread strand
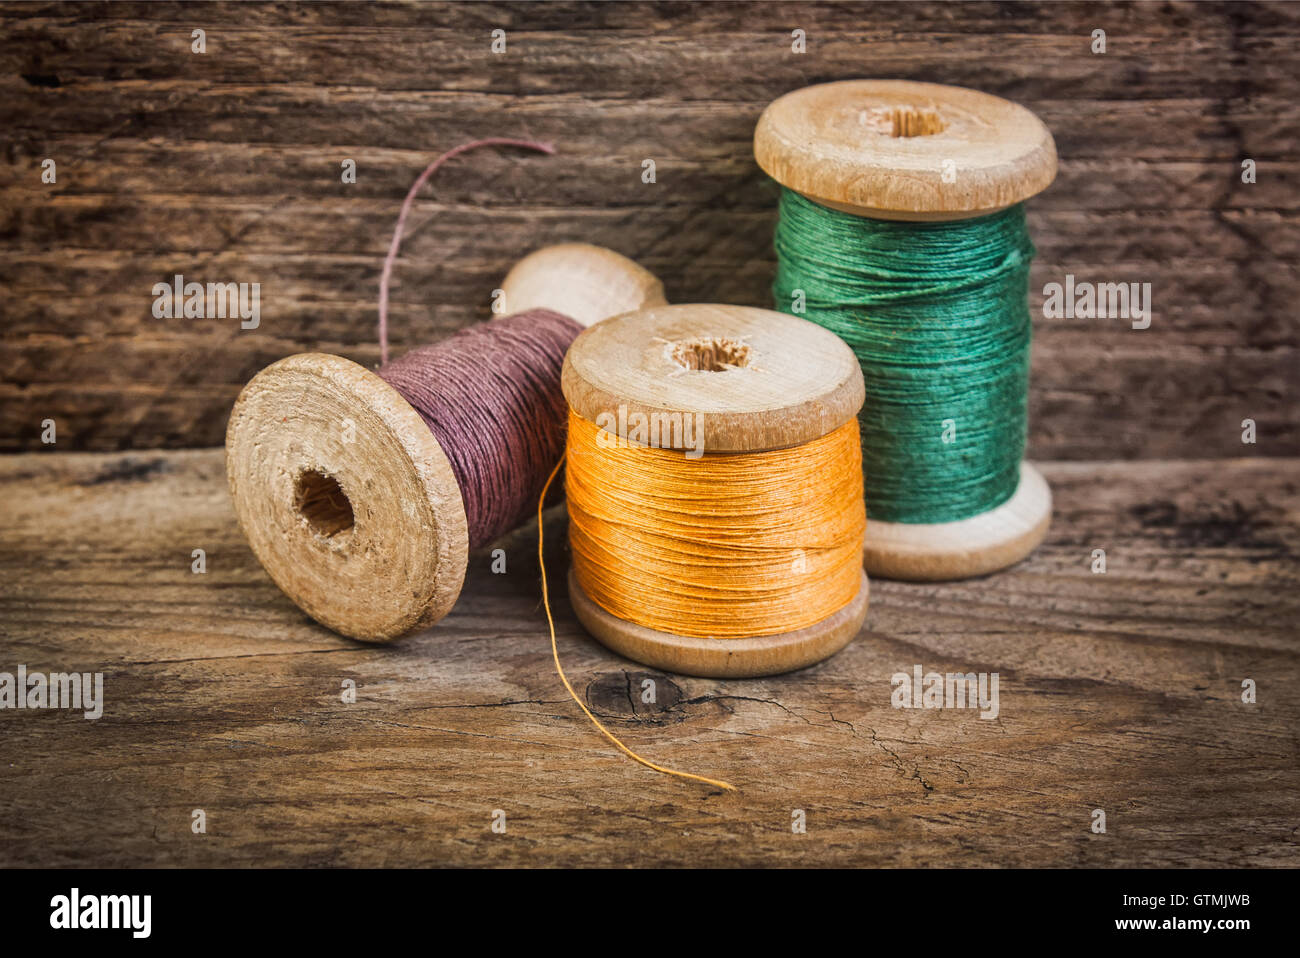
column 555, row 652
column 724, row 546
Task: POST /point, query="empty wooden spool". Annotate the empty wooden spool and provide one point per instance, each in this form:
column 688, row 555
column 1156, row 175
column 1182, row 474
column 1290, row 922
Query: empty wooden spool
column 589, row 283
column 347, row 499
column 799, row 382
column 900, row 150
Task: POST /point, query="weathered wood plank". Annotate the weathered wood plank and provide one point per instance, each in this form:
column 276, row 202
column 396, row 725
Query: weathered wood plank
column 1161, row 48
column 1118, row 691
column 225, row 166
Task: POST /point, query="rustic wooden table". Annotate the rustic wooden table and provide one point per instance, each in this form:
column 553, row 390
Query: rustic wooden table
column 1119, row 691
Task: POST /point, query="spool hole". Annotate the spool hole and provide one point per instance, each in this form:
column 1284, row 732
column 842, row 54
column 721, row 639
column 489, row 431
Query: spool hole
column 322, row 503
column 903, row 121
column 710, row 354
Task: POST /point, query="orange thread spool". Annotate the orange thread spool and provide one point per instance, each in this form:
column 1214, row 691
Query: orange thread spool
column 724, row 538
column 724, row 546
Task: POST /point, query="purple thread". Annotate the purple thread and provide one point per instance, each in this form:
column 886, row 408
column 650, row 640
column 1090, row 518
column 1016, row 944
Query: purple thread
column 491, row 396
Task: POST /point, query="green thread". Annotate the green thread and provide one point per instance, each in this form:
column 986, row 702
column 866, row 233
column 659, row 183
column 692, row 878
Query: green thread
column 938, row 316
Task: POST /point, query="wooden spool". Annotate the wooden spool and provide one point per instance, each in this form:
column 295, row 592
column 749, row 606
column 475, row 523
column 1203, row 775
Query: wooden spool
column 799, row 382
column 589, row 283
column 347, row 499
column 899, row 150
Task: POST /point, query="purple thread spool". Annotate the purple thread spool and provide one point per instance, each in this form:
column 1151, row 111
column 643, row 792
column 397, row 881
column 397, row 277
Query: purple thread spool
column 362, row 493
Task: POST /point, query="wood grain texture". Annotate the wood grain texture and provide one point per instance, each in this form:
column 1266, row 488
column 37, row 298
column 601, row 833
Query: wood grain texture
column 1118, row 691
column 225, row 167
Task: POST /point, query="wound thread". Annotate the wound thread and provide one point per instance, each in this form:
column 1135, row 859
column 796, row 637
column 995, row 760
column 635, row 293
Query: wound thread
column 723, row 546
column 491, row 396
column 938, row 316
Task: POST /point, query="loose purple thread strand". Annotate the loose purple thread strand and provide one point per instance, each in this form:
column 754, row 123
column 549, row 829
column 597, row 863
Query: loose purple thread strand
column 423, row 178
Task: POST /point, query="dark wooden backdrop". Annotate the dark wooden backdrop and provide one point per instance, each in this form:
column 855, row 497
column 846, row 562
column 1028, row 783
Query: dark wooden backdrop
column 226, row 167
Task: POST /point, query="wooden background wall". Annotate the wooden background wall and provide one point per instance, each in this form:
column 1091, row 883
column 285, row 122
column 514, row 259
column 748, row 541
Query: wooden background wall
column 226, row 167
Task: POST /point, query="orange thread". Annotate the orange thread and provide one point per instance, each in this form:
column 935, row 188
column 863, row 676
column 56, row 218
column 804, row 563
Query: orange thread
column 723, row 546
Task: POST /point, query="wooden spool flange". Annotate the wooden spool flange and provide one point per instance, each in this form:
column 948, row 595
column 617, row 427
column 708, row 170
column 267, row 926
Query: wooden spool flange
column 589, row 283
column 799, row 382
column 899, row 150
column 347, row 499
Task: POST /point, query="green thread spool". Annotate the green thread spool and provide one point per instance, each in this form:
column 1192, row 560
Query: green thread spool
column 901, row 229
column 937, row 314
